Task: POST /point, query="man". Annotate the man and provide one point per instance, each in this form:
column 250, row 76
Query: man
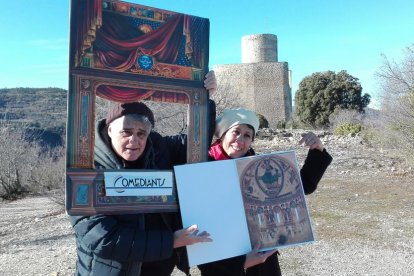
column 134, row 244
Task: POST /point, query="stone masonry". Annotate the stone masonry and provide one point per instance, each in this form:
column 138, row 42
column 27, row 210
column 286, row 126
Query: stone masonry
column 260, row 82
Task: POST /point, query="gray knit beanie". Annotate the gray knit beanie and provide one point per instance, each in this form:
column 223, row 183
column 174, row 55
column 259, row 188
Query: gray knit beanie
column 232, row 117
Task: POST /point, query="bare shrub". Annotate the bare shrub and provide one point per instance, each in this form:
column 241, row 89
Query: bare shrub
column 47, row 173
column 343, row 116
column 225, row 98
column 397, row 105
column 372, row 132
column 101, row 107
column 26, row 167
column 170, row 118
column 14, row 151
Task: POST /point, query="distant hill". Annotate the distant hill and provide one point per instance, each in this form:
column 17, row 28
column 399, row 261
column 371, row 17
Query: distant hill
column 42, row 110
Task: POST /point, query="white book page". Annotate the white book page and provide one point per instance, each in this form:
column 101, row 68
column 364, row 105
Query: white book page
column 209, row 196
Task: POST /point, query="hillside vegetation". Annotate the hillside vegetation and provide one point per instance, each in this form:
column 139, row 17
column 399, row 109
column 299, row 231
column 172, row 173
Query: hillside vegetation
column 41, row 110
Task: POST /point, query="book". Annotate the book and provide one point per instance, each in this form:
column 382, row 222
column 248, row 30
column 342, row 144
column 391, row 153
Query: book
column 243, row 202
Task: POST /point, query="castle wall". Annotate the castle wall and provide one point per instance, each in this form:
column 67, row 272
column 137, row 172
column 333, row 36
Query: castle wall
column 262, row 87
column 259, row 48
column 260, row 82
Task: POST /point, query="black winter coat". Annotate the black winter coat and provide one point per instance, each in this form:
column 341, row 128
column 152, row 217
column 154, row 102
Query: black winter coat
column 311, row 173
column 136, row 244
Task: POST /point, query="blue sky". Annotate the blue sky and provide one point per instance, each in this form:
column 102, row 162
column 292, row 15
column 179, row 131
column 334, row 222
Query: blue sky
column 313, row 36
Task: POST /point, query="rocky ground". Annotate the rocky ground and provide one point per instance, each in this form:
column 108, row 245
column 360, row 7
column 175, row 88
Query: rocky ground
column 362, row 214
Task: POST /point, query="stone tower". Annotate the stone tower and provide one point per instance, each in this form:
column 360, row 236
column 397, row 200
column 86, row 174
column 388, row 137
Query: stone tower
column 260, row 82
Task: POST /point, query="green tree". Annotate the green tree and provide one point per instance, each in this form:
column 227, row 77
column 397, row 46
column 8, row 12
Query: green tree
column 320, row 94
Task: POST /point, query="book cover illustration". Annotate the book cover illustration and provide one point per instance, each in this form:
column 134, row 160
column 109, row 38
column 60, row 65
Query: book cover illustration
column 242, row 202
column 274, row 200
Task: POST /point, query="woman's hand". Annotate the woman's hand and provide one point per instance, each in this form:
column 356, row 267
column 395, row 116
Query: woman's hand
column 210, row 82
column 311, row 140
column 255, row 257
column 190, row 236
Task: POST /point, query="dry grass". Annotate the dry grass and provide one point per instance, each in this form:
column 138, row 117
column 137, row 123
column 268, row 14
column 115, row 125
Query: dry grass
column 363, row 208
column 363, row 226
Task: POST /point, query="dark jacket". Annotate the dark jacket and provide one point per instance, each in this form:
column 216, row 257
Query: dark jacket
column 311, row 173
column 135, row 244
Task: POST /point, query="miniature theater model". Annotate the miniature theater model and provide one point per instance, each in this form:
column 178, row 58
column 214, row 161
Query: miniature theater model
column 125, row 52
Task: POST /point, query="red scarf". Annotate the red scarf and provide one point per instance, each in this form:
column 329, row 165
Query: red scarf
column 216, row 152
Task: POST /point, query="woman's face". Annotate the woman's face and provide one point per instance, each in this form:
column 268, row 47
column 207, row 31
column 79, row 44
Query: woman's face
column 128, row 137
column 237, row 140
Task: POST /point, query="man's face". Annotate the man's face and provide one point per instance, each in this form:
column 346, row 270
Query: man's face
column 128, row 136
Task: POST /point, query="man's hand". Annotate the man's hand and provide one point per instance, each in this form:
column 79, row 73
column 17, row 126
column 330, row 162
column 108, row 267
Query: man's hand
column 210, row 82
column 190, row 236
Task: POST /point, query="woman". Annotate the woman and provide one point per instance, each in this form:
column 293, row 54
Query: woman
column 134, row 244
column 235, row 130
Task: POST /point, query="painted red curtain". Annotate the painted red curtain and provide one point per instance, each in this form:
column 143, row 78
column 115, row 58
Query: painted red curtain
column 163, row 43
column 128, row 94
column 88, row 14
column 123, row 94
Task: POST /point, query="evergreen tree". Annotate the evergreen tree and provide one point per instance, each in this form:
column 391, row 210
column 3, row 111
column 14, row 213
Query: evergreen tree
column 320, row 94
